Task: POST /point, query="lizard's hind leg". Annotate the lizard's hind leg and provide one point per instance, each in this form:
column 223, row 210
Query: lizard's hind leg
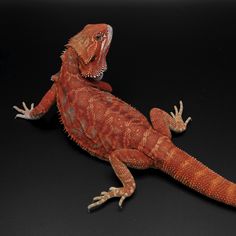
column 163, row 122
column 119, row 160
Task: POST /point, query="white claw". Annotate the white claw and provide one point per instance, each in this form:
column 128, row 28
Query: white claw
column 92, row 205
column 121, row 201
column 176, row 110
column 187, row 121
column 24, row 105
column 112, row 188
column 19, row 116
column 97, row 198
column 181, row 108
column 18, row 109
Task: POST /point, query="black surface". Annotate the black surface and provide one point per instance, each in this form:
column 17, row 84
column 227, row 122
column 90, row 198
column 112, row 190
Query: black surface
column 160, row 53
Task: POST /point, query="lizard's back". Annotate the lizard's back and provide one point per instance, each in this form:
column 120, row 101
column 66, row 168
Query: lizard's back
column 98, row 121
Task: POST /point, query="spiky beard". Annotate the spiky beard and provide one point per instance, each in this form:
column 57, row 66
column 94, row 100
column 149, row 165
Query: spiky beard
column 93, row 69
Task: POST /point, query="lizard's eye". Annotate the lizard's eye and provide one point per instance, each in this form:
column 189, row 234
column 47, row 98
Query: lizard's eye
column 99, row 37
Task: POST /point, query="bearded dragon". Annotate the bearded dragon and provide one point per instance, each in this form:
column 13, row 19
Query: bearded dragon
column 112, row 130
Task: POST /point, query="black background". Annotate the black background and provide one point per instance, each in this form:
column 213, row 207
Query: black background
column 160, row 53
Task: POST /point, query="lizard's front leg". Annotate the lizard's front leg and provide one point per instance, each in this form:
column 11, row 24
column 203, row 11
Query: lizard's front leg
column 34, row 113
column 163, row 122
column 103, row 86
column 119, row 160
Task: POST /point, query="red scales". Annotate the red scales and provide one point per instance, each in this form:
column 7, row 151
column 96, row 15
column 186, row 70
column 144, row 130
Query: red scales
column 112, row 130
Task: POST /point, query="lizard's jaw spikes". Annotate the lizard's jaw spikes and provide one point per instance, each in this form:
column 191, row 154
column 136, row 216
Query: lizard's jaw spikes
column 94, row 77
column 98, row 76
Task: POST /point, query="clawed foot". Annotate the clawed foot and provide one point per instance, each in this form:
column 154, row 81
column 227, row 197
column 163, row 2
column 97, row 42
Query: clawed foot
column 24, row 114
column 180, row 125
column 104, row 196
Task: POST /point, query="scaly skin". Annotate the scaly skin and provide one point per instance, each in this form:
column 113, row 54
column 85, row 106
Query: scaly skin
column 112, row 130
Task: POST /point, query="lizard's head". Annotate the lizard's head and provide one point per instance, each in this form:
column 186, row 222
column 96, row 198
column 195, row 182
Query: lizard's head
column 92, row 45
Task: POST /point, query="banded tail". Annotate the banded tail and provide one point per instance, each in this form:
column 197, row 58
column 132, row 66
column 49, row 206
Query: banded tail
column 192, row 173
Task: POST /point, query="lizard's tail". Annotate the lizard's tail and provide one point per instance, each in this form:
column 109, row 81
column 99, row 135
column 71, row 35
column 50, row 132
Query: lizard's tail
column 197, row 176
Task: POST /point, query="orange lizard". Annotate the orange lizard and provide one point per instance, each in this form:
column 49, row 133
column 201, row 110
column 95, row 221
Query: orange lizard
column 112, row 130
